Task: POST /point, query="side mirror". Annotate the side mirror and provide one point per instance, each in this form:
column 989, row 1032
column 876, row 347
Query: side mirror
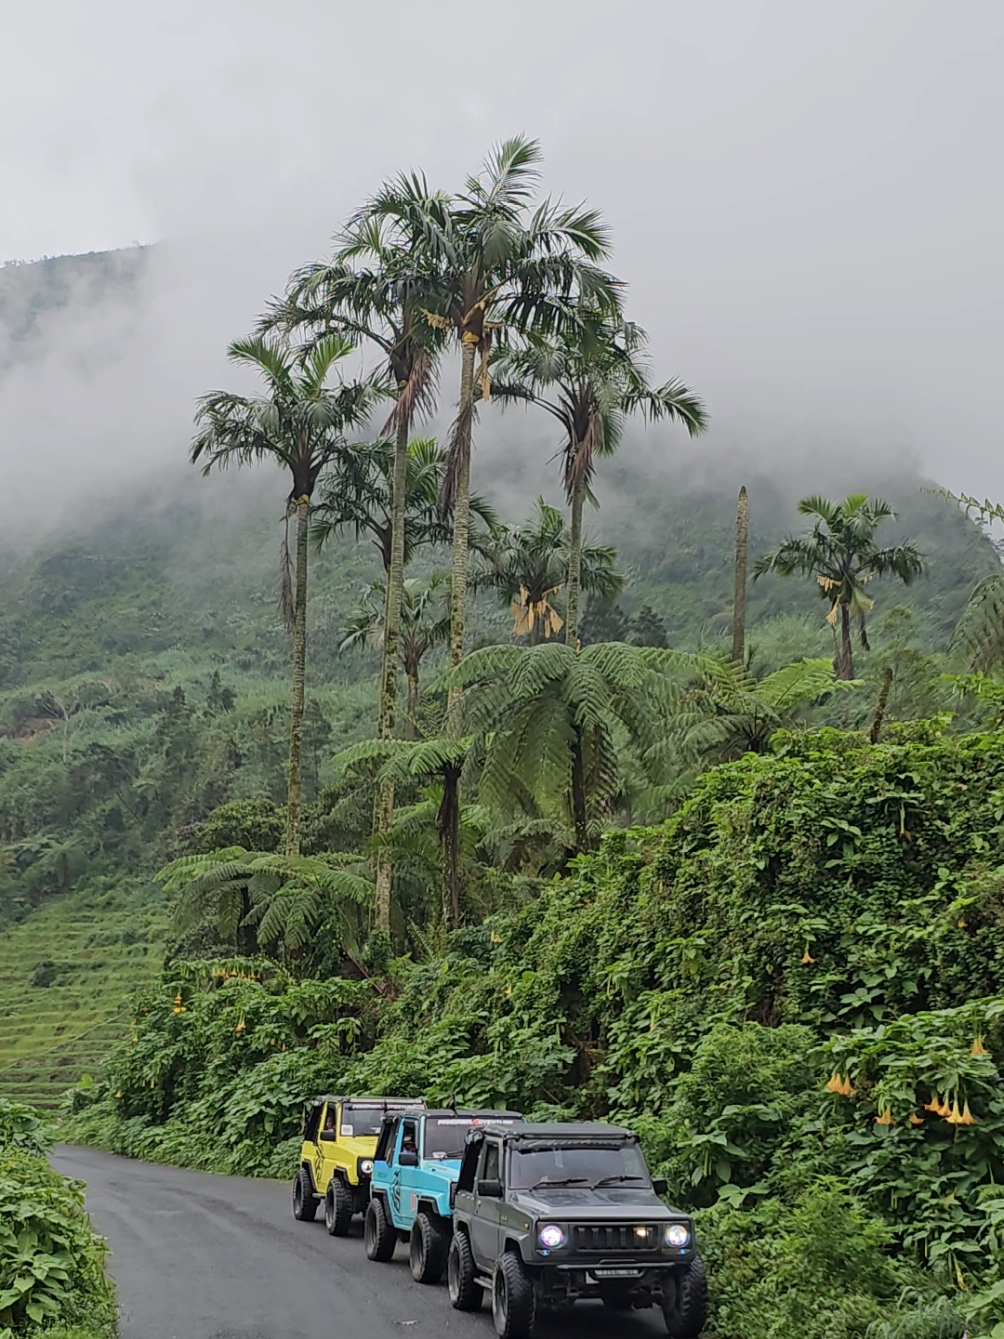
column 329, row 1136
column 660, row 1185
column 490, row 1189
column 407, row 1158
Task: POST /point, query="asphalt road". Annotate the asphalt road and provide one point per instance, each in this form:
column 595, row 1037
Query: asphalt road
column 219, row 1257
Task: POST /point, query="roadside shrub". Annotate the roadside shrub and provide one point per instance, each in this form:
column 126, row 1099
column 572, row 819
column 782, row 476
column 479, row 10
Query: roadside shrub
column 51, row 1261
column 22, row 1127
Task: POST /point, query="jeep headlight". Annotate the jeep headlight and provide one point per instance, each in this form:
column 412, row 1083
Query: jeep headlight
column 676, row 1234
column 365, row 1166
column 551, row 1236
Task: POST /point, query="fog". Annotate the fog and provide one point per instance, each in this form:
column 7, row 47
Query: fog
column 806, row 201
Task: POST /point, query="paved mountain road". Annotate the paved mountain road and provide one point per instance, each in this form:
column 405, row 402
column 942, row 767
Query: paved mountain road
column 220, row 1257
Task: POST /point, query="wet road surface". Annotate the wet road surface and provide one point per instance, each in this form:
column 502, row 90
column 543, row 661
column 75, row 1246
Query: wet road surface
column 220, row 1257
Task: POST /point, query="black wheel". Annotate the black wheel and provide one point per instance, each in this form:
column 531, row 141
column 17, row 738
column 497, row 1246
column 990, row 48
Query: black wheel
column 686, row 1314
column 379, row 1233
column 462, row 1276
column 338, row 1208
column 304, row 1204
column 427, row 1248
column 512, row 1298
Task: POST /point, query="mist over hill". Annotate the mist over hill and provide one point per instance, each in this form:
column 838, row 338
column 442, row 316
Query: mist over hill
column 143, row 663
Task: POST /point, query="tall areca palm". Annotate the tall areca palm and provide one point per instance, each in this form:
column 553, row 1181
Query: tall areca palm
column 496, row 264
column 376, row 290
column 425, row 623
column 841, row 553
column 528, row 564
column 299, row 423
column 360, row 498
column 590, row 376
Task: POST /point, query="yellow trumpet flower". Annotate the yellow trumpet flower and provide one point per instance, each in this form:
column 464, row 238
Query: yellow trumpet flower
column 914, row 1119
column 954, row 1116
column 180, row 1009
column 240, row 1026
column 177, row 998
column 807, row 956
column 885, row 1118
column 841, row 1086
column 967, row 1117
column 978, row 1048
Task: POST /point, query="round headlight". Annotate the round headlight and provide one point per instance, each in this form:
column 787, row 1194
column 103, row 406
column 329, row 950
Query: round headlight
column 676, row 1235
column 366, row 1166
column 551, row 1236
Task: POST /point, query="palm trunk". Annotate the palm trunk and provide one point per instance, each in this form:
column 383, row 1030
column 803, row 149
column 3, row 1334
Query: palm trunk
column 411, row 730
column 579, row 816
column 461, row 521
column 294, row 794
column 845, row 669
column 739, row 599
column 880, row 705
column 448, row 823
column 383, row 813
column 574, row 565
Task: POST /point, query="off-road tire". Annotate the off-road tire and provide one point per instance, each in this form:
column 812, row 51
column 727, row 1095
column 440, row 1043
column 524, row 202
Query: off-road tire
column 466, row 1293
column 379, row 1233
column 513, row 1309
column 338, row 1208
column 304, row 1203
column 686, row 1316
column 427, row 1248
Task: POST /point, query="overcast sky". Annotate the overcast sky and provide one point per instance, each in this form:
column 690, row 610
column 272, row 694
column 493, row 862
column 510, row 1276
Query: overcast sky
column 806, row 197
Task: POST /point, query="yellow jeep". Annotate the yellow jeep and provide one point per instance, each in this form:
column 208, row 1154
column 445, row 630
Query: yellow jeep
column 336, row 1161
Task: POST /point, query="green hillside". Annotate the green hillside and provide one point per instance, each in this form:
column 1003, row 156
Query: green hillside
column 144, row 670
column 67, row 973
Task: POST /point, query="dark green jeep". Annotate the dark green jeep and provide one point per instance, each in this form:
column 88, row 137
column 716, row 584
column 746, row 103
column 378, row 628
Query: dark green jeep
column 544, row 1215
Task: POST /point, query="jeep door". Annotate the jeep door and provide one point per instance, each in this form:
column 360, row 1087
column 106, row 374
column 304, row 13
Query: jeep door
column 485, row 1222
column 401, row 1177
column 324, row 1148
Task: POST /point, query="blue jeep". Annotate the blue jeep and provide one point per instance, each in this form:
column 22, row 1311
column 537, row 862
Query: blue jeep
column 417, row 1160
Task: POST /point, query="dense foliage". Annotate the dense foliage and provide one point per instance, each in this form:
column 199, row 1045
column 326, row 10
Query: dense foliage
column 52, row 1274
column 794, row 989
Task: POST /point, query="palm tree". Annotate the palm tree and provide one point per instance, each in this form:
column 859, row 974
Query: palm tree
column 527, row 564
column 494, row 266
column 374, row 289
column 360, row 498
column 840, row 552
column 589, row 376
column 425, row 623
column 550, row 719
column 299, row 423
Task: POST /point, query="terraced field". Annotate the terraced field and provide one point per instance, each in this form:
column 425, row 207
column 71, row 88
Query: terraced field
column 66, row 974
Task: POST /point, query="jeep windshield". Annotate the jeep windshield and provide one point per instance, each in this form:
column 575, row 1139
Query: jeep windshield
column 578, row 1166
column 363, row 1120
column 445, row 1139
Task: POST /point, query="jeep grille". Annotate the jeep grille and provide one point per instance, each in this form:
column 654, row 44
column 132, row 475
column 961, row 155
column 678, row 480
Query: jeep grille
column 616, row 1237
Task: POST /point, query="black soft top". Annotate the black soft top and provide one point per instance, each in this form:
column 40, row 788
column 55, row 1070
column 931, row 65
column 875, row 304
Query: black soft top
column 560, row 1132
column 482, row 1117
column 369, row 1101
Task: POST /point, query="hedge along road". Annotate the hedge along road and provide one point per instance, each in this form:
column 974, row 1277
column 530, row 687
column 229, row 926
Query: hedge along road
column 221, row 1257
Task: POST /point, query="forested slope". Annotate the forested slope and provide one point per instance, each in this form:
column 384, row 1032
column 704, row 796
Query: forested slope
column 793, row 989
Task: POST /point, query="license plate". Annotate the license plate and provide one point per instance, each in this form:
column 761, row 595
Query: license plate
column 617, row 1273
